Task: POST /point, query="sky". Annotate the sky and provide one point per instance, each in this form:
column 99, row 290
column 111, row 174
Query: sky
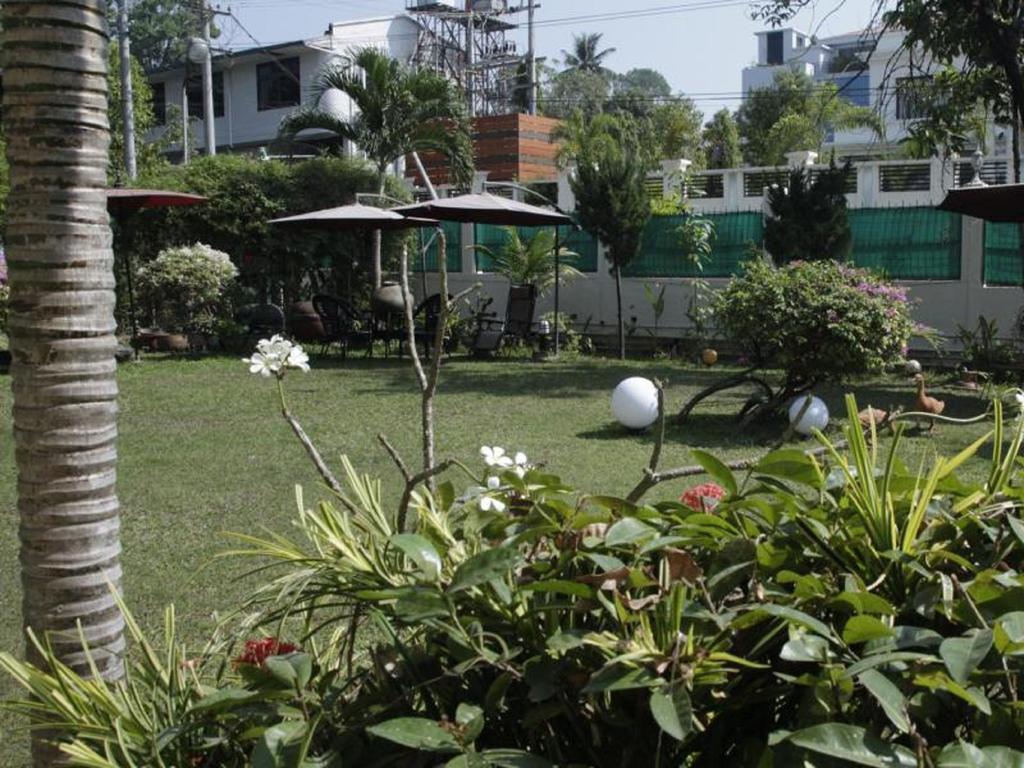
column 700, row 46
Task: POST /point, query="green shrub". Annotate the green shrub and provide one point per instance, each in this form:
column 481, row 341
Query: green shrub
column 185, row 286
column 809, row 217
column 815, row 320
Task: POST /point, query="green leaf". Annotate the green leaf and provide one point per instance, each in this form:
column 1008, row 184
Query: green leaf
column 860, row 629
column 469, row 760
column 794, row 616
column 1009, row 633
column 854, row 745
column 483, row 567
column 964, row 755
column 417, row 605
column 470, row 717
column 629, row 530
column 672, row 711
column 421, row 552
column 559, row 586
column 278, row 745
column 1017, row 526
column 716, row 468
column 804, row 647
column 566, row 640
column 619, row 678
column 864, row 602
column 514, row 758
column 223, row 699
column 791, row 464
column 416, row 733
column 292, row 670
column 891, row 699
column 962, row 655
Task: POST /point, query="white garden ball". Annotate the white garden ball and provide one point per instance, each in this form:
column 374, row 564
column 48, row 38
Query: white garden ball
column 912, row 367
column 815, row 417
column 635, row 402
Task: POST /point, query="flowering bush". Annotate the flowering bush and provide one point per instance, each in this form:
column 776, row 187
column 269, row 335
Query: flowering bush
column 816, row 320
column 703, row 497
column 185, row 286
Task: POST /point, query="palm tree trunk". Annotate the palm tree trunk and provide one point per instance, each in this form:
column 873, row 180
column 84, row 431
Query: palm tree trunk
column 62, row 328
column 618, row 299
column 378, row 239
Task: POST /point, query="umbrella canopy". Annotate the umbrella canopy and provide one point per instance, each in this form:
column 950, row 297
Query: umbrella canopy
column 351, row 217
column 998, row 202
column 119, row 199
column 485, row 208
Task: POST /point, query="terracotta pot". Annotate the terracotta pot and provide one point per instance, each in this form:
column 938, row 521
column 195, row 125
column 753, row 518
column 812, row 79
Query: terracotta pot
column 709, row 357
column 170, row 342
column 304, row 323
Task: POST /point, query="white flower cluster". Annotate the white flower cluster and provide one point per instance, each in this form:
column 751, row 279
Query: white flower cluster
column 276, row 354
column 496, row 458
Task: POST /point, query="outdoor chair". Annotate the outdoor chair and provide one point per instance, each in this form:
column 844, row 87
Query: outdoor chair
column 342, row 324
column 517, row 326
column 428, row 313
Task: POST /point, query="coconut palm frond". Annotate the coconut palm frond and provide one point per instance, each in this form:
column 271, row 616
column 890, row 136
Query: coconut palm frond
column 314, row 118
column 532, row 261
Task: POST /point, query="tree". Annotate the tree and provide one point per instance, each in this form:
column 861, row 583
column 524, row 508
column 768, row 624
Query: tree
column 641, row 85
column 611, row 199
column 399, row 111
column 673, row 131
column 149, row 154
column 585, row 55
column 62, row 329
column 720, row 141
column 531, row 261
column 160, row 30
column 809, row 221
column 575, row 90
column 988, row 34
column 795, row 113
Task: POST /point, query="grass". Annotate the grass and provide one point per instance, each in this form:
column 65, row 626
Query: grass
column 203, row 450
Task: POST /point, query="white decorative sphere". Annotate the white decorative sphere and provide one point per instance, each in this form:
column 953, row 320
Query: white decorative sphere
column 635, row 402
column 334, row 102
column 815, row 417
column 912, row 367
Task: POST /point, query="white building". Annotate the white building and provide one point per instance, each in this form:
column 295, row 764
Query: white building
column 870, row 70
column 255, row 88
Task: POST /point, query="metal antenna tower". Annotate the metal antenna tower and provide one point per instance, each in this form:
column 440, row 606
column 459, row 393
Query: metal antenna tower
column 467, row 41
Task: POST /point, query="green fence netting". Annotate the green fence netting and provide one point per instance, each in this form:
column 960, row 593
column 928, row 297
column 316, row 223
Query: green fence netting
column 1004, row 259
column 907, row 243
column 582, row 243
column 453, row 248
column 661, row 254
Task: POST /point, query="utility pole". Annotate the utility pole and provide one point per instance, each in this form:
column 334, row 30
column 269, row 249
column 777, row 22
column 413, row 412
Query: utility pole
column 470, row 56
column 209, row 130
column 531, row 55
column 127, row 99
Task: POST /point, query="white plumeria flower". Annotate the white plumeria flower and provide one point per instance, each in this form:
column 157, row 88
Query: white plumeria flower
column 493, row 483
column 495, row 457
column 1018, row 396
column 264, row 365
column 489, row 503
column 521, row 465
column 297, row 358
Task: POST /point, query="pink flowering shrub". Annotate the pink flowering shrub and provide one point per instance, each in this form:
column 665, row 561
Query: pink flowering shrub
column 817, row 320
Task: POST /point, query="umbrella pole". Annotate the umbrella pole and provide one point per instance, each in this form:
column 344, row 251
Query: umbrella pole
column 133, row 325
column 558, row 332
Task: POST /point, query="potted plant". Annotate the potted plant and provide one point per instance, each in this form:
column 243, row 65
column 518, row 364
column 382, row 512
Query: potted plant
column 531, row 261
column 184, row 287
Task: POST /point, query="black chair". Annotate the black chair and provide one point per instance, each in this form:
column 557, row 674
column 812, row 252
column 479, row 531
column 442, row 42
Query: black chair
column 517, row 326
column 428, row 312
column 342, row 324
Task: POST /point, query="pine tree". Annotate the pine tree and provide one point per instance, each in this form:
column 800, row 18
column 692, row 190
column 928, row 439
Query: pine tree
column 809, row 217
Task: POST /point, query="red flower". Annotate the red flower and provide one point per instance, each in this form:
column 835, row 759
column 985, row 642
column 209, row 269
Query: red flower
column 258, row 651
column 703, row 497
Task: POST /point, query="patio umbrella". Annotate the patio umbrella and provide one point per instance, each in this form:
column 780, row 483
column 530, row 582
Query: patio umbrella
column 485, row 208
column 996, row 202
column 121, row 202
column 353, row 217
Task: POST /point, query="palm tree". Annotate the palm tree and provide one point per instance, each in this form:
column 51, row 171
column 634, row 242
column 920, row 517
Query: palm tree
column 62, row 329
column 399, row 111
column 531, row 261
column 585, row 55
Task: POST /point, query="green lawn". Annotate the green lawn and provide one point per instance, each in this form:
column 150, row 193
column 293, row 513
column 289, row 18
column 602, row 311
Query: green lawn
column 204, row 450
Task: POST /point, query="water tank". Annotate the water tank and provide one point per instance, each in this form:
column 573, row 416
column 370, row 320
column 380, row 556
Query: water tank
column 490, row 6
column 428, row 5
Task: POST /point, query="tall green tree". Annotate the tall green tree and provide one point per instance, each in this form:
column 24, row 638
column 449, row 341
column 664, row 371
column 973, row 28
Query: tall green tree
column 149, row 154
column 399, row 111
column 987, row 36
column 795, row 113
column 586, row 54
column 62, row 330
column 575, row 90
column 720, row 141
column 808, row 219
column 611, row 198
column 672, row 130
column 160, row 30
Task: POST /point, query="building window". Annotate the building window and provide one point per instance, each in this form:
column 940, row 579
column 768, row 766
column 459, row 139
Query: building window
column 159, row 91
column 912, row 97
column 277, row 84
column 195, row 95
column 774, row 42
